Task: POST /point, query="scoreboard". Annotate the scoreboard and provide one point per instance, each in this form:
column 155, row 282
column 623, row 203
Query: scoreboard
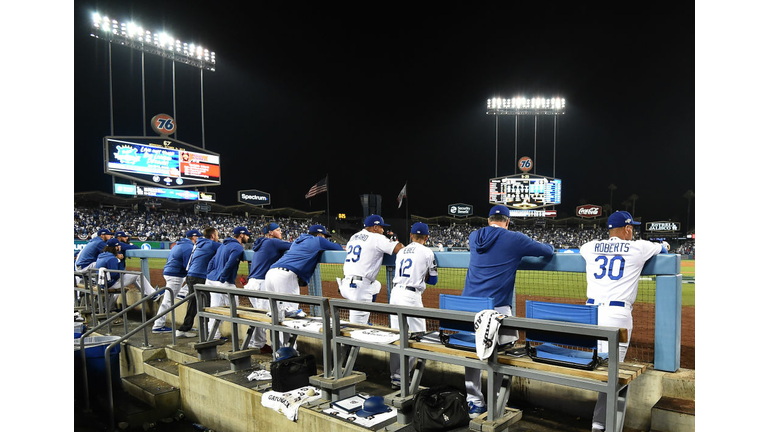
column 525, row 191
column 161, row 161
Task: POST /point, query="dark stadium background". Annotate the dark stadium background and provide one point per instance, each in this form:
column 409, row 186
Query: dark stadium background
column 390, row 93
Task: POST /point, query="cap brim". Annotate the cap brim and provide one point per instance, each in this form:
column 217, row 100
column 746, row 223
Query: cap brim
column 364, row 413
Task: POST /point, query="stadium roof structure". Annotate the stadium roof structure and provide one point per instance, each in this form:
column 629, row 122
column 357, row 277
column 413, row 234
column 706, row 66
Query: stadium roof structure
column 97, row 198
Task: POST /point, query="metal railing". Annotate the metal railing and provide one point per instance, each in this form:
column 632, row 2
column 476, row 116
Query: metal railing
column 109, row 320
column 334, row 340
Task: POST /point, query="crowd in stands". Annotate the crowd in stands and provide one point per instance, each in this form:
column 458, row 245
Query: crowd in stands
column 164, row 226
column 457, row 235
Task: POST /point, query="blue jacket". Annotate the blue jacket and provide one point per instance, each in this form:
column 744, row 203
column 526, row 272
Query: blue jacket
column 304, row 254
column 126, row 247
column 494, row 255
column 266, row 251
column 110, row 261
column 223, row 267
column 91, row 252
column 176, row 264
column 201, row 256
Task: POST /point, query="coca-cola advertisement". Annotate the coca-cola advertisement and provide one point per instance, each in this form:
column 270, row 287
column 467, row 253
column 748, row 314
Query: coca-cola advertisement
column 589, row 211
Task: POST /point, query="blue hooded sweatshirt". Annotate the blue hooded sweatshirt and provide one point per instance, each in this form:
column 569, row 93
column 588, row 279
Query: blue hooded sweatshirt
column 494, row 255
column 176, row 264
column 201, row 256
column 110, row 261
column 90, row 252
column 223, row 267
column 266, row 251
column 304, row 254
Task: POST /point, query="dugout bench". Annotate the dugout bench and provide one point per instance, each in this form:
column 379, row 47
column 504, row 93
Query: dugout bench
column 338, row 380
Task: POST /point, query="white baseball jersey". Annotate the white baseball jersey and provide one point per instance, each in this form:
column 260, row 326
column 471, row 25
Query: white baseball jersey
column 365, row 251
column 614, row 266
column 412, row 265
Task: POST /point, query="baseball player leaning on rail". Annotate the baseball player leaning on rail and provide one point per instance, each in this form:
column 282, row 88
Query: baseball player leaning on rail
column 613, row 273
column 415, row 266
column 365, row 252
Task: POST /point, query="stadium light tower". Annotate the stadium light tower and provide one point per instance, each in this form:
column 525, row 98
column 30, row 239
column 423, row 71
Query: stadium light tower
column 136, row 37
column 518, row 106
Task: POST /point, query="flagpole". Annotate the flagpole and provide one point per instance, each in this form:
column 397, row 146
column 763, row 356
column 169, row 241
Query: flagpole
column 407, row 225
column 327, row 201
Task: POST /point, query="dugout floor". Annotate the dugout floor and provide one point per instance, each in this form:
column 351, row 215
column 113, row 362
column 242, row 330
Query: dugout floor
column 534, row 419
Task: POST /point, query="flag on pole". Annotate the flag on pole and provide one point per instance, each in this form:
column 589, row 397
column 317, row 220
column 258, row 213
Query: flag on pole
column 319, row 187
column 401, row 196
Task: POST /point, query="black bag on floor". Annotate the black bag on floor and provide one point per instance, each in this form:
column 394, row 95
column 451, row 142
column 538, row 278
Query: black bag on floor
column 439, row 409
column 292, row 373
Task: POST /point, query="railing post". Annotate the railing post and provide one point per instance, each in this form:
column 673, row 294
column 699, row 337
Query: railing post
column 669, row 299
column 315, row 288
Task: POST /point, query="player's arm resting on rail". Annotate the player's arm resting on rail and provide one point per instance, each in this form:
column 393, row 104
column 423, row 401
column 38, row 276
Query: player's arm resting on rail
column 431, row 277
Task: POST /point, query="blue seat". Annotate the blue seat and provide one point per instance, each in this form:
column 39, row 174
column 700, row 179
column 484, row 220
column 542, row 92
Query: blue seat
column 465, row 336
column 555, row 348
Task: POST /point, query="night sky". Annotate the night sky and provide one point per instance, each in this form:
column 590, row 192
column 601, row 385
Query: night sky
column 389, row 93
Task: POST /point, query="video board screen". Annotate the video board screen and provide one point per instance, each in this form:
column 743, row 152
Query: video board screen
column 161, row 162
column 525, row 191
column 160, row 192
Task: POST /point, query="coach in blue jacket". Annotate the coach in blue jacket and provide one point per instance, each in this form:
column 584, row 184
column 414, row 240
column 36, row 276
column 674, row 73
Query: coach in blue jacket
column 494, row 255
column 174, row 272
column 197, row 269
column 222, row 271
column 91, row 251
column 266, row 251
column 298, row 263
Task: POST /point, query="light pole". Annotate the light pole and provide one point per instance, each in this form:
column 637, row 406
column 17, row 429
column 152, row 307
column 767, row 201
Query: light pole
column 518, row 106
column 133, row 36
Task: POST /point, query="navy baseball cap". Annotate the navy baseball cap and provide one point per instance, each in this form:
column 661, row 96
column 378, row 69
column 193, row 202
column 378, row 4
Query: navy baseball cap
column 241, row 230
column 193, row 232
column 121, row 234
column 420, row 228
column 271, row 227
column 113, row 242
column 499, row 210
column 374, row 220
column 104, row 231
column 372, row 406
column 318, row 229
column 621, row 219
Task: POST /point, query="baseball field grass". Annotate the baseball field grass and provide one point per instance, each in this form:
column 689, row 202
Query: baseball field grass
column 528, row 282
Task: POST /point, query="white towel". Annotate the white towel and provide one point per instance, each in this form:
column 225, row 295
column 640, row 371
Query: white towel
column 288, row 403
column 375, row 336
column 260, row 375
column 102, row 278
column 486, row 332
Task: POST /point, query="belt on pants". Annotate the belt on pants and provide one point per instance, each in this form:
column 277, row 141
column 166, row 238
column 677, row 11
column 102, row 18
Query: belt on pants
column 409, row 288
column 283, row 269
column 611, row 303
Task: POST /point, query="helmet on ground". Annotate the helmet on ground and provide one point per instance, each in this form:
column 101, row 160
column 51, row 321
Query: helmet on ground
column 285, row 353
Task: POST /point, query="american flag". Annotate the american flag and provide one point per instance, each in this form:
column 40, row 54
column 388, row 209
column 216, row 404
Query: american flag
column 319, row 187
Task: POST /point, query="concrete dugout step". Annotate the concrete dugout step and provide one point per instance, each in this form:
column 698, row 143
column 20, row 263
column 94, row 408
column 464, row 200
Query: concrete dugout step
column 163, row 397
column 673, row 415
column 163, row 369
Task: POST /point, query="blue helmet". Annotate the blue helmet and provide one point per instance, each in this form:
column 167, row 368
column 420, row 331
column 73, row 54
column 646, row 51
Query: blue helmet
column 285, row 353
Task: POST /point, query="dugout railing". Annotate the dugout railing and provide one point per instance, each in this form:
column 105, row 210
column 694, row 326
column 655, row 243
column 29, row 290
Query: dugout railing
column 663, row 272
column 335, row 341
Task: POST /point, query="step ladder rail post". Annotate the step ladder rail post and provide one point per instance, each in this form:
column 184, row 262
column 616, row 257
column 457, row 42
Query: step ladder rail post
column 202, row 322
column 233, row 304
column 405, row 370
column 612, row 393
column 327, row 338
